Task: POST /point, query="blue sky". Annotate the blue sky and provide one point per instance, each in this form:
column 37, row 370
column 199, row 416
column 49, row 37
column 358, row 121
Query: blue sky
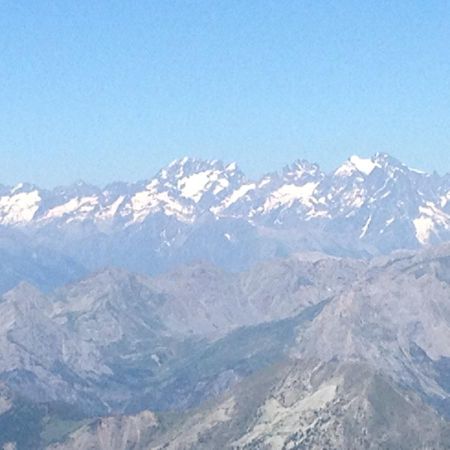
column 106, row 90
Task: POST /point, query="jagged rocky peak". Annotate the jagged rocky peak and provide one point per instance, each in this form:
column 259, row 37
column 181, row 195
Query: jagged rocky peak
column 195, row 179
column 24, row 291
column 19, row 189
column 23, row 188
column 108, row 276
column 186, row 166
column 104, row 283
column 353, row 165
column 383, row 159
column 121, row 188
column 365, row 166
column 302, row 169
column 78, row 189
column 364, row 197
column 20, row 204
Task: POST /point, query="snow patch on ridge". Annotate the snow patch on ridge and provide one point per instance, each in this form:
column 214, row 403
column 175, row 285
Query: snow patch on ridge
column 110, row 211
column 288, row 194
column 364, row 165
column 366, row 226
column 147, row 202
column 194, row 186
column 235, row 196
column 425, row 224
column 356, row 163
column 19, row 208
column 83, row 205
column 17, row 188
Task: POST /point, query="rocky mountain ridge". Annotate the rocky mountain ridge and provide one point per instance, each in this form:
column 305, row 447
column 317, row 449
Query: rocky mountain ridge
column 196, row 210
column 189, row 189
column 309, row 351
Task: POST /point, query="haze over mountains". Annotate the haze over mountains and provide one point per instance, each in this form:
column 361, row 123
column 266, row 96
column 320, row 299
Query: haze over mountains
column 196, row 210
column 201, row 310
column 309, row 351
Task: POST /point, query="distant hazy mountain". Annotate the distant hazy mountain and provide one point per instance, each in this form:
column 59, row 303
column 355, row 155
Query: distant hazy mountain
column 309, row 351
column 197, row 210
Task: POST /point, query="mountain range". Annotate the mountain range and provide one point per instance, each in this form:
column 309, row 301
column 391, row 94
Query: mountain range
column 195, row 210
column 201, row 310
column 308, row 351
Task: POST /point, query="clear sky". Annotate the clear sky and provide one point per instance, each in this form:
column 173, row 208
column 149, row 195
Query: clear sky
column 107, row 90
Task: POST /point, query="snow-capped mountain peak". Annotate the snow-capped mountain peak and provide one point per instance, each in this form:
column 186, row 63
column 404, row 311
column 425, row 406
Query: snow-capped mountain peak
column 356, row 164
column 377, row 199
column 196, row 180
column 20, row 204
column 300, row 170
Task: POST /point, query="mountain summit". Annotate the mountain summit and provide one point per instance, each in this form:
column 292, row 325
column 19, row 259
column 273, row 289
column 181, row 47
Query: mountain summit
column 196, row 210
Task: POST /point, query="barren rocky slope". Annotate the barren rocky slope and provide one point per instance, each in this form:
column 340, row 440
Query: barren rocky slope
column 309, row 351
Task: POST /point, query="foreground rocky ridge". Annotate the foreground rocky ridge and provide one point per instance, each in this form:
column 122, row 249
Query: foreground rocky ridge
column 309, row 351
column 101, row 342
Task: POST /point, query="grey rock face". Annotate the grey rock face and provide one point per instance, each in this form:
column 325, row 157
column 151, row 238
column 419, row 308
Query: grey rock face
column 396, row 317
column 102, row 341
column 307, row 405
column 308, row 351
column 112, row 433
column 367, row 372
